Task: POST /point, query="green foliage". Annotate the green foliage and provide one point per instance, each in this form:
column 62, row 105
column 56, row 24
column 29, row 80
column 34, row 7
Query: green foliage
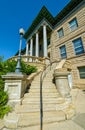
column 3, row 98
column 5, row 67
column 27, row 69
column 1, row 84
column 3, row 101
column 4, row 110
column 9, row 66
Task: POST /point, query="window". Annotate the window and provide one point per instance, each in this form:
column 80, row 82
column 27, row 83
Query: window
column 63, row 51
column 82, row 72
column 60, row 32
column 73, row 24
column 78, row 46
column 48, row 41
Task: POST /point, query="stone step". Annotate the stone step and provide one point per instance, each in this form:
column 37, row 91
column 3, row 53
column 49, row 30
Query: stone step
column 36, row 78
column 28, row 95
column 36, row 88
column 48, row 79
column 48, row 83
column 44, row 99
column 49, row 117
column 43, row 90
column 35, row 83
column 43, row 94
column 59, row 104
column 36, row 101
column 44, row 83
column 34, row 107
column 44, row 86
column 38, row 83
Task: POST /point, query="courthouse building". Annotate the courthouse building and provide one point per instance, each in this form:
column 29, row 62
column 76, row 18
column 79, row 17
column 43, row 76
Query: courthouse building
column 57, row 44
column 60, row 37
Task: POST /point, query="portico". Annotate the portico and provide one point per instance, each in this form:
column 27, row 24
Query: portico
column 37, row 44
column 38, row 35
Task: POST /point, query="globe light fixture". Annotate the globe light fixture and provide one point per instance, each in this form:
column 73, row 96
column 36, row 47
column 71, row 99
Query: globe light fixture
column 18, row 67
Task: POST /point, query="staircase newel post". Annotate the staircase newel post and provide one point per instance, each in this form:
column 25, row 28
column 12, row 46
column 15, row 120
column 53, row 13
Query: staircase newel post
column 62, row 84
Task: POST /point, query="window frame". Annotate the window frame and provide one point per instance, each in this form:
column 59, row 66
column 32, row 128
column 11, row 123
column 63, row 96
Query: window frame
column 59, row 32
column 78, row 52
column 61, row 54
column 81, row 73
column 75, row 25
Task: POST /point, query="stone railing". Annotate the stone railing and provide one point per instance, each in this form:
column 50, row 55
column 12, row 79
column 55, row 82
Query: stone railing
column 34, row 59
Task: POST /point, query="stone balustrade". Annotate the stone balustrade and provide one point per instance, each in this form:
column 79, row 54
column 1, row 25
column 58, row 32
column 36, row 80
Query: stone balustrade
column 34, row 59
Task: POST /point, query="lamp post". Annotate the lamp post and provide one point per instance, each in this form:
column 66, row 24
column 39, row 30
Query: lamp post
column 18, row 67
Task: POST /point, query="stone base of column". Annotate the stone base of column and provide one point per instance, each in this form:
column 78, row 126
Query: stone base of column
column 15, row 85
column 61, row 80
column 62, row 85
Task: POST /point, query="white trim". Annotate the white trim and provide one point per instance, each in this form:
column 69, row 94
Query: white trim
column 44, row 21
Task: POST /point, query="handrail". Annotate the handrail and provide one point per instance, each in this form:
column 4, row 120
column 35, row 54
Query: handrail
column 41, row 104
column 41, row 96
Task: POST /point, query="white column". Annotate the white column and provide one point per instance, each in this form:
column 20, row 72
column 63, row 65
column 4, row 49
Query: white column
column 44, row 41
column 37, row 44
column 27, row 49
column 31, row 47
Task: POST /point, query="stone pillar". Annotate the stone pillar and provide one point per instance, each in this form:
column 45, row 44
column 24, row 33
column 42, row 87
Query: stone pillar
column 45, row 41
column 15, row 85
column 37, row 44
column 61, row 80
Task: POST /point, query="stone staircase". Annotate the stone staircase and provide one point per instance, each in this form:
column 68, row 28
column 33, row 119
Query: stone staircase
column 29, row 111
column 55, row 108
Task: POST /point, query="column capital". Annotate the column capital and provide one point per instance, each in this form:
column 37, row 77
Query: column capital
column 36, row 32
column 27, row 42
column 44, row 24
column 31, row 38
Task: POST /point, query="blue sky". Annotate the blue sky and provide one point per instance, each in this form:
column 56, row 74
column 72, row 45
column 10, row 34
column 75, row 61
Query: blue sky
column 15, row 14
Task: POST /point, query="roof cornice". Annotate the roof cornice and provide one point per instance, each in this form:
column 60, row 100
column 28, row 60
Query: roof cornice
column 67, row 9
column 44, row 21
column 43, row 14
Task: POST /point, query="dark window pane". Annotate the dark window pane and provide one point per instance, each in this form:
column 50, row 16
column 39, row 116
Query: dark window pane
column 82, row 72
column 78, row 46
column 60, row 32
column 73, row 24
column 63, row 51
